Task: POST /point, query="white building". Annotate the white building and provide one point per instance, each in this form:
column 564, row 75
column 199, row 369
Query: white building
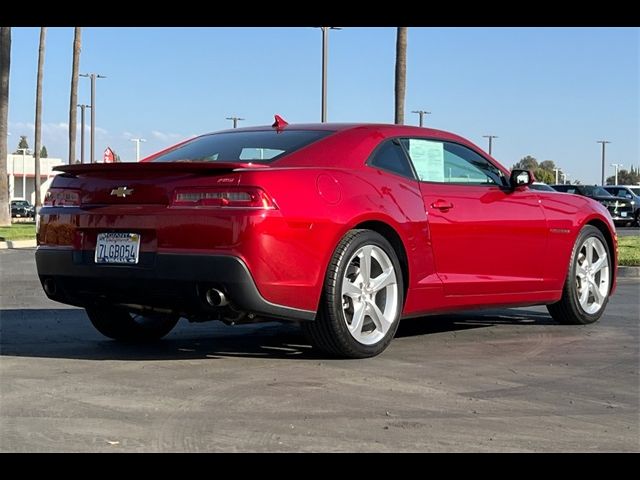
column 21, row 172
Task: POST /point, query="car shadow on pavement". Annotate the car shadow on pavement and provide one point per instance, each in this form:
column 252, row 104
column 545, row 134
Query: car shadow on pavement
column 67, row 333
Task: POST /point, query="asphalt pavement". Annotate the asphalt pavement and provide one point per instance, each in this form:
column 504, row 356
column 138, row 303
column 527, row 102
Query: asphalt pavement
column 500, row 380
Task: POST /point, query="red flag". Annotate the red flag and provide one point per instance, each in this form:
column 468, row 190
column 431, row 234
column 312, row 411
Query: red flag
column 108, row 157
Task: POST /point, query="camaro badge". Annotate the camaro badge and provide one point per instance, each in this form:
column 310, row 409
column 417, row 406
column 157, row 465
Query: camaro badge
column 122, row 191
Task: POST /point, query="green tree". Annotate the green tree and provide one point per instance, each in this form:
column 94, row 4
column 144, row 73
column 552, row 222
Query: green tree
column 625, row 177
column 5, row 63
column 22, row 144
column 548, row 165
column 43, row 152
column 36, row 149
column 401, row 73
column 527, row 163
column 544, row 175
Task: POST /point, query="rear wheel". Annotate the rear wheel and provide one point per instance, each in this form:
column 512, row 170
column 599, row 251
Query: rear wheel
column 586, row 290
column 124, row 326
column 362, row 298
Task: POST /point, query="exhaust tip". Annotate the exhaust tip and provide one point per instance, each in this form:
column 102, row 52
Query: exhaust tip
column 216, row 298
column 50, row 287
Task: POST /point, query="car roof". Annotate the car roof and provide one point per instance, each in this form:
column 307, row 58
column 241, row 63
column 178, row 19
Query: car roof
column 389, row 128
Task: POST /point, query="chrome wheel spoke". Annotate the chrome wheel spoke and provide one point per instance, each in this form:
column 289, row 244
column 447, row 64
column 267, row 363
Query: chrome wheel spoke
column 599, row 264
column 386, row 278
column 589, row 248
column 378, row 318
column 595, row 290
column 365, row 264
column 357, row 320
column 584, row 293
column 350, row 289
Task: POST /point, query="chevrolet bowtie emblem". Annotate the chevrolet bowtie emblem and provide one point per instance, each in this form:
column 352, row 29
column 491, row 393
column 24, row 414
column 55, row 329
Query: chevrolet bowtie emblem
column 122, row 191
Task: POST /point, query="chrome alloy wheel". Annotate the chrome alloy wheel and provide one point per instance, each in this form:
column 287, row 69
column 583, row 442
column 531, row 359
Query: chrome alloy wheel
column 592, row 275
column 369, row 295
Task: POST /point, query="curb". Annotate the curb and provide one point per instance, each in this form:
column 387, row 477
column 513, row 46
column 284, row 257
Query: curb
column 18, row 244
column 629, row 272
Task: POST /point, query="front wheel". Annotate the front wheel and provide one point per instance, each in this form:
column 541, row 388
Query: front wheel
column 124, row 326
column 362, row 298
column 586, row 289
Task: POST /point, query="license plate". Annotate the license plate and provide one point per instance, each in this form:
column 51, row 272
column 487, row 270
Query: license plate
column 623, row 214
column 117, row 248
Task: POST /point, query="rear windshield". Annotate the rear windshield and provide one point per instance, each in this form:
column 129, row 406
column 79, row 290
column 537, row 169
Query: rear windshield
column 263, row 146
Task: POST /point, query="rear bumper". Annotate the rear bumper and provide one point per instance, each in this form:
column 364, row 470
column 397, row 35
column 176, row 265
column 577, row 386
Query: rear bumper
column 166, row 280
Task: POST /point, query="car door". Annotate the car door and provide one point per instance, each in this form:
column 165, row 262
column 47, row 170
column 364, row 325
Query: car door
column 486, row 239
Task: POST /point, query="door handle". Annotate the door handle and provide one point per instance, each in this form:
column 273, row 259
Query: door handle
column 442, row 205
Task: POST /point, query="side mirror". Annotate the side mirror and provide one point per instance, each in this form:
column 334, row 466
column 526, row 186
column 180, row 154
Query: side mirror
column 521, row 178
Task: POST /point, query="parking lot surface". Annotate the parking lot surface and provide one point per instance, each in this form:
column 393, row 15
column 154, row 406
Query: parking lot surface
column 499, row 380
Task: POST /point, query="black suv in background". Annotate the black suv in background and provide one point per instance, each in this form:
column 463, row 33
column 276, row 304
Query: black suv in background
column 620, row 209
column 22, row 208
column 629, row 193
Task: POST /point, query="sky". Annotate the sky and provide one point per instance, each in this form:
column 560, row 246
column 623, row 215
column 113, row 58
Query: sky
column 546, row 92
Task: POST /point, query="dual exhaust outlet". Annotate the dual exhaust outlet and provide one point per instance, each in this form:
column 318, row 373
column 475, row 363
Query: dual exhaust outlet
column 216, row 298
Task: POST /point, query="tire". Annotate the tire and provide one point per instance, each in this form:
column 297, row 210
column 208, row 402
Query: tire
column 123, row 326
column 375, row 305
column 574, row 307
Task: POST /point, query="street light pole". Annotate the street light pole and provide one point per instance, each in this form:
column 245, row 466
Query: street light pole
column 235, row 121
column 325, row 61
column 138, row 140
column 490, row 137
column 617, row 166
column 93, row 77
column 82, row 108
column 603, row 142
column 422, row 113
column 556, row 170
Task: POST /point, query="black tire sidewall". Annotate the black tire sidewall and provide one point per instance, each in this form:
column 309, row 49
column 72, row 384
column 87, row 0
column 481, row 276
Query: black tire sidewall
column 344, row 337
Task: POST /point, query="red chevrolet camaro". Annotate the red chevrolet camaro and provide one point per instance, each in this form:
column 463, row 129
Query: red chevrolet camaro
column 346, row 228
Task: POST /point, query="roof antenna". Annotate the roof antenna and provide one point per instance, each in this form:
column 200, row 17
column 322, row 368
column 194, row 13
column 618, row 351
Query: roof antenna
column 280, row 122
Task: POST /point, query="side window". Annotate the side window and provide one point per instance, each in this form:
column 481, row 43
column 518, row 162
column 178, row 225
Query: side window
column 445, row 162
column 391, row 157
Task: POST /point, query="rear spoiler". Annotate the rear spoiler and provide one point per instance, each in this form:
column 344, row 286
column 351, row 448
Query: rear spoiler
column 194, row 167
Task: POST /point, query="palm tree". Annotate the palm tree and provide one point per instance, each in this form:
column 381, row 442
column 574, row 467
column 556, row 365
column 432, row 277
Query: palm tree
column 73, row 100
column 401, row 73
column 38, row 140
column 5, row 63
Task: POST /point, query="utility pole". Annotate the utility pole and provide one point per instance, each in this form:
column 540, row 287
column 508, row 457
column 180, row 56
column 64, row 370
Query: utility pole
column 490, row 137
column 325, row 61
column 557, row 170
column 93, row 77
column 138, row 140
column 82, row 108
column 603, row 142
column 617, row 166
column 235, row 121
column 422, row 113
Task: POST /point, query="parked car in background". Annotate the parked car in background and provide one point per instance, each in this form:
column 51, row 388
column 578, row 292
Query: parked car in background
column 344, row 228
column 621, row 210
column 542, row 187
column 22, row 209
column 629, row 193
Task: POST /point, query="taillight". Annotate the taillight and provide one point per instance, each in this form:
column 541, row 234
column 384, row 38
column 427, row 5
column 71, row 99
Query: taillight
column 62, row 197
column 230, row 197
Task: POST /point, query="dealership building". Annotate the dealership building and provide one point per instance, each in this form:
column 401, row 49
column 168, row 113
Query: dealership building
column 21, row 175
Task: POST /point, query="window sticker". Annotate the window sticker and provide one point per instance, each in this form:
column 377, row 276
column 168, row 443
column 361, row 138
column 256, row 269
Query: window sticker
column 428, row 159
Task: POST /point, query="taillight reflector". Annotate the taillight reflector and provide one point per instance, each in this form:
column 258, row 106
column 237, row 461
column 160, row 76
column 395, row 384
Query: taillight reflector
column 62, row 197
column 237, row 197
